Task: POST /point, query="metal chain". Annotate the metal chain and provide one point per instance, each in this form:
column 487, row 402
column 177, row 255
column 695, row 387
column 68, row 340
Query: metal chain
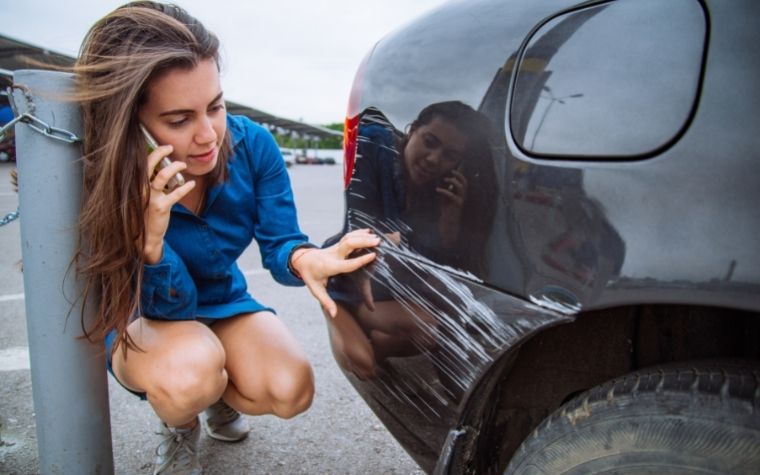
column 38, row 125
column 42, row 127
column 32, row 121
column 9, row 218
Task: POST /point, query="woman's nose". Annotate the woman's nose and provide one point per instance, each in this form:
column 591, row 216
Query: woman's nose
column 206, row 132
column 433, row 157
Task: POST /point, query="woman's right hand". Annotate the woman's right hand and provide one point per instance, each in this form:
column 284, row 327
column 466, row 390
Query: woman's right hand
column 160, row 203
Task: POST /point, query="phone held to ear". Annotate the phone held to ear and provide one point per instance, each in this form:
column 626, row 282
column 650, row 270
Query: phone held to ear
column 175, row 181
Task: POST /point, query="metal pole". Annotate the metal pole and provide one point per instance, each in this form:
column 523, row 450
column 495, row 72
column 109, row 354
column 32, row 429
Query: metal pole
column 69, row 383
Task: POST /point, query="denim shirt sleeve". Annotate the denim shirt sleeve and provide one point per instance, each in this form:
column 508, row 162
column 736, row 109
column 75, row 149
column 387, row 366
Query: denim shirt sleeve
column 168, row 291
column 276, row 228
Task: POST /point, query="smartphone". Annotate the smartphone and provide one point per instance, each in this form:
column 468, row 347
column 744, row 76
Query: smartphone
column 175, row 181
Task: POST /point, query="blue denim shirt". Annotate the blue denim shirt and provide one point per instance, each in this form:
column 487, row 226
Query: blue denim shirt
column 198, row 275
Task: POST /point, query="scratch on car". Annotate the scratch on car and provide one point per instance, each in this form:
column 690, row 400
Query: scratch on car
column 464, row 328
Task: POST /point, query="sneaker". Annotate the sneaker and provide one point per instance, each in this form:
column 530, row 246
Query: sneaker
column 177, row 454
column 225, row 423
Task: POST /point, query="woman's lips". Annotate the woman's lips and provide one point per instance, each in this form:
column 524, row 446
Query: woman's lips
column 205, row 157
column 423, row 174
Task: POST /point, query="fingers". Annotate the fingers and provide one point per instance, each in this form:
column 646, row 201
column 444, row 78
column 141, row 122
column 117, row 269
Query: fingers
column 350, row 265
column 394, row 237
column 162, row 200
column 459, row 175
column 358, row 239
column 168, row 179
column 316, row 267
column 319, row 292
column 156, row 155
column 366, row 291
column 180, row 192
column 164, row 174
column 454, row 187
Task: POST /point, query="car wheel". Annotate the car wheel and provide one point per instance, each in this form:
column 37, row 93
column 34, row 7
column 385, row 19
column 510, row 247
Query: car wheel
column 701, row 417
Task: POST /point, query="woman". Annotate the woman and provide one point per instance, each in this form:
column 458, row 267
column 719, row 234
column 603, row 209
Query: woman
column 180, row 328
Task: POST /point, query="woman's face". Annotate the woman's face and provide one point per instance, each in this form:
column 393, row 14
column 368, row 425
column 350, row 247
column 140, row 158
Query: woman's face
column 185, row 109
column 433, row 150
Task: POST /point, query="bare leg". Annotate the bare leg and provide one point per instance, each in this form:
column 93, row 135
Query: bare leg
column 394, row 331
column 351, row 348
column 268, row 371
column 180, row 368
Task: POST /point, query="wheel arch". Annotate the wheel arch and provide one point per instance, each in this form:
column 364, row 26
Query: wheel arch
column 529, row 382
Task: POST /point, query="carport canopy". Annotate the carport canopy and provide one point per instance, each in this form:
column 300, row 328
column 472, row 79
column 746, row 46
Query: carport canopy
column 15, row 54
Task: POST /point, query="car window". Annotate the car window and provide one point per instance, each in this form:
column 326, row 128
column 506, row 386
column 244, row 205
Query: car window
column 615, row 80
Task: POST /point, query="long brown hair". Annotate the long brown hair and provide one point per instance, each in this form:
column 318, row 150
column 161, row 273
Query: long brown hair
column 121, row 54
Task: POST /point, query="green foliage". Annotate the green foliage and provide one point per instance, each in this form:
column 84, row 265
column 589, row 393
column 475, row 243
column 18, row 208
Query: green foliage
column 287, row 141
column 333, row 142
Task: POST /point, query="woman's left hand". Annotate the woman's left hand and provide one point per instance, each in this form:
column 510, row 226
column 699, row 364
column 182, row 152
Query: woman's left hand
column 315, row 266
column 453, row 191
column 452, row 194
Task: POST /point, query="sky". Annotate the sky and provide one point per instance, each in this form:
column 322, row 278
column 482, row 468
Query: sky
column 292, row 58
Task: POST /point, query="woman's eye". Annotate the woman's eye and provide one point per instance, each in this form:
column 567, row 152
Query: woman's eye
column 217, row 108
column 430, row 141
column 177, row 123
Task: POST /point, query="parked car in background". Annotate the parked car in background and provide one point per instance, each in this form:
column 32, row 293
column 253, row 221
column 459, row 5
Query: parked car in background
column 288, row 156
column 313, row 160
column 569, row 279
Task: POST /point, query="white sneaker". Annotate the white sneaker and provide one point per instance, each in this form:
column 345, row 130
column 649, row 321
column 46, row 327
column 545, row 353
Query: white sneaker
column 225, row 423
column 177, row 454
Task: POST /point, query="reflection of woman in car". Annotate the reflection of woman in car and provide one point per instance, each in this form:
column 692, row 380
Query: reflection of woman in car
column 427, row 192
column 429, row 184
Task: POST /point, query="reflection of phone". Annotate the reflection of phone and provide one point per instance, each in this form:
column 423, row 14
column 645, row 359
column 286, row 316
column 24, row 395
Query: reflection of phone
column 175, row 181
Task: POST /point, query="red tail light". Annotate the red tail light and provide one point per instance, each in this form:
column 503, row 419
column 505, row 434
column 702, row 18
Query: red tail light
column 351, row 126
column 350, row 137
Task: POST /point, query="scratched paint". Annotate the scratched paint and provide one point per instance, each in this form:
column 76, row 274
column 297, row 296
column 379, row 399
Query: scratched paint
column 435, row 328
column 467, row 333
column 457, row 329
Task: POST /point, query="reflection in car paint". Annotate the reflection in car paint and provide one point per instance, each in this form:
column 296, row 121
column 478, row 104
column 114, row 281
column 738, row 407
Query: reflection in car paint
column 432, row 321
column 455, row 330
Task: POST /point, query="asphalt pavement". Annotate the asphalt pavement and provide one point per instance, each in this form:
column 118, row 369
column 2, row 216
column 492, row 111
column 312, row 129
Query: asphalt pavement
column 338, row 435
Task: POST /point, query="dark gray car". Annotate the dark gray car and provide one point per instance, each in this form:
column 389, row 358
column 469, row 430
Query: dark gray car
column 569, row 279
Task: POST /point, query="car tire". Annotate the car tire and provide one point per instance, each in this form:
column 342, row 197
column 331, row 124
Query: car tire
column 699, row 417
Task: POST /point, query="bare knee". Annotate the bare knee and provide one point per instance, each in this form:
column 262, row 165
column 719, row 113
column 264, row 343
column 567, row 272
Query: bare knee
column 191, row 377
column 292, row 390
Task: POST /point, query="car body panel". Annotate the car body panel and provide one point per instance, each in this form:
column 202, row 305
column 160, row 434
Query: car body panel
column 672, row 221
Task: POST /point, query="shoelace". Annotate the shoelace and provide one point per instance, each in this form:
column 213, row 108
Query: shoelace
column 224, row 413
column 179, row 452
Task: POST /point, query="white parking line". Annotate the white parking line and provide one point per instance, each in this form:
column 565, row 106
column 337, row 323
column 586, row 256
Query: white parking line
column 11, row 297
column 16, row 297
column 15, row 358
